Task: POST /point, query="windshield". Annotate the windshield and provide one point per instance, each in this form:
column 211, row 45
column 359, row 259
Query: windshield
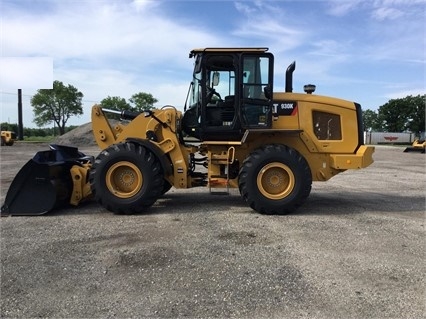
column 194, row 91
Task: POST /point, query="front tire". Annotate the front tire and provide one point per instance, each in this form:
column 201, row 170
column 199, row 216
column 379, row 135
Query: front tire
column 126, row 178
column 275, row 179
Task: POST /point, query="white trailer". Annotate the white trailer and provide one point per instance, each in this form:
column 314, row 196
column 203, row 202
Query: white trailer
column 389, row 138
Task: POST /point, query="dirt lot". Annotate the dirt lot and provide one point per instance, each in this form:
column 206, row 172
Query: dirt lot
column 356, row 249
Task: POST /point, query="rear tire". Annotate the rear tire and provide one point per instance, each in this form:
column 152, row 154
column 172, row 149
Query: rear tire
column 126, row 178
column 275, row 179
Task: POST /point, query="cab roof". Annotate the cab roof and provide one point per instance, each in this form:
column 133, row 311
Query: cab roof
column 227, row 50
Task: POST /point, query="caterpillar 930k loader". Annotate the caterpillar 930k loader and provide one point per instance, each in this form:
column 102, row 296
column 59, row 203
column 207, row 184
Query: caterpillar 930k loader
column 235, row 132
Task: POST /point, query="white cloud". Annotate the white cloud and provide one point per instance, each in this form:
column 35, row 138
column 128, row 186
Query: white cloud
column 379, row 9
column 119, row 48
column 338, row 50
column 267, row 23
column 381, row 30
column 386, row 13
column 401, row 93
column 105, row 48
column 26, row 73
column 93, row 30
column 245, row 8
column 141, row 5
column 343, row 7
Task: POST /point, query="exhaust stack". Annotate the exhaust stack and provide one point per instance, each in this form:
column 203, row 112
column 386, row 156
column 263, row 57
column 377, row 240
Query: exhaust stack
column 289, row 77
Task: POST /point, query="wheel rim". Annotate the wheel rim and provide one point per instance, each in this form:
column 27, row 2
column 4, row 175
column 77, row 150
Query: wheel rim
column 275, row 181
column 124, row 179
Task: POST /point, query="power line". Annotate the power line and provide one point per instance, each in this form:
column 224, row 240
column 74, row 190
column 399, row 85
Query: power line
column 28, row 95
column 10, row 93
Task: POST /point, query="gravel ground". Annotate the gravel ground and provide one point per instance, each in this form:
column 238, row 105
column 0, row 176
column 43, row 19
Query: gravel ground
column 356, row 249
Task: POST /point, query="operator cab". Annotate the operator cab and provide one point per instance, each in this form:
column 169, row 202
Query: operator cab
column 231, row 91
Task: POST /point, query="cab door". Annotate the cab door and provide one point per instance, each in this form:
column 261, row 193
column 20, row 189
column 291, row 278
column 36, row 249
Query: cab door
column 219, row 104
column 257, row 73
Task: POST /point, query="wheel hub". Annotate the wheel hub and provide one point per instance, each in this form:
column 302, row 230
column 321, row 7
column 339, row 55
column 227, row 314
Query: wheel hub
column 124, row 179
column 127, row 178
column 275, row 180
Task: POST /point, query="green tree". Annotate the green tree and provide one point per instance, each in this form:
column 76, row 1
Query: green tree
column 5, row 126
column 143, row 101
column 39, row 132
column 56, row 105
column 416, row 116
column 116, row 103
column 392, row 114
column 403, row 114
column 370, row 119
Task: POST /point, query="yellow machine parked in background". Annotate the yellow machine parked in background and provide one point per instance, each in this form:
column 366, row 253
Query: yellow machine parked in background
column 419, row 144
column 235, row 132
column 7, row 138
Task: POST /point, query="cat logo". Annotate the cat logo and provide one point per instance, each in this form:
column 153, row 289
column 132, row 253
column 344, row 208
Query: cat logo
column 286, row 108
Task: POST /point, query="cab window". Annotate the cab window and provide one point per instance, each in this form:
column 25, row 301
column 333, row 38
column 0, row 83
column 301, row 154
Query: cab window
column 255, row 77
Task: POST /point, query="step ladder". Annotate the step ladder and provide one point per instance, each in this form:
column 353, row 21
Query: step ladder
column 221, row 181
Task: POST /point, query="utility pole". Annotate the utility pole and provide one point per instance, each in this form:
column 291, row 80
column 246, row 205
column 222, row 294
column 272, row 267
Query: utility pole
column 20, row 123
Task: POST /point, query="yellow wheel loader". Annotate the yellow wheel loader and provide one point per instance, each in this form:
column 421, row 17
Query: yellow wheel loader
column 235, row 132
column 419, row 145
column 7, row 138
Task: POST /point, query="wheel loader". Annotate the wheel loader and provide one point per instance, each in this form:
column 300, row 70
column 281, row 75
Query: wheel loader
column 7, row 138
column 418, row 145
column 235, row 131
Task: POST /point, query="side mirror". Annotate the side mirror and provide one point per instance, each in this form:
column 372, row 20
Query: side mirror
column 215, row 80
column 268, row 92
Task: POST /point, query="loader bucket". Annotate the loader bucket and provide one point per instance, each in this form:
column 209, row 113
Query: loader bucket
column 418, row 146
column 414, row 149
column 44, row 182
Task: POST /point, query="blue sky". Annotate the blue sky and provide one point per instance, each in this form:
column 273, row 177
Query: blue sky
column 368, row 51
